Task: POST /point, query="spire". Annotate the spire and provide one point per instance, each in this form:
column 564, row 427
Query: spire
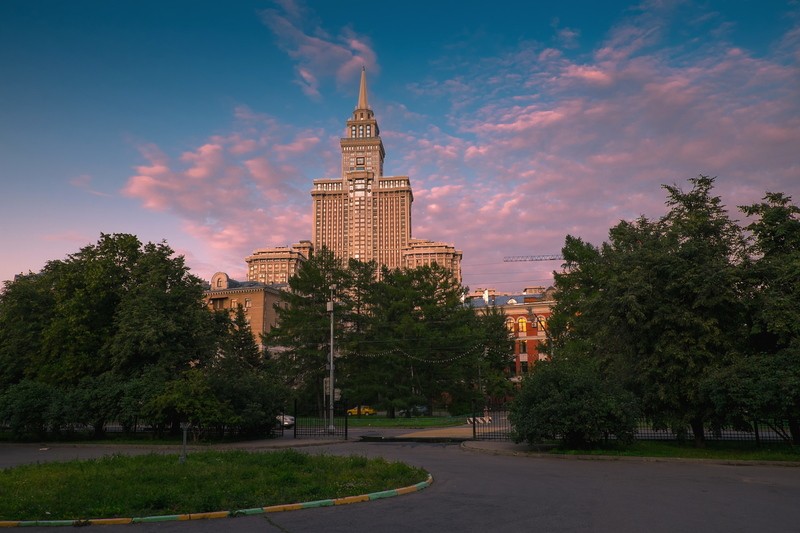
column 362, row 91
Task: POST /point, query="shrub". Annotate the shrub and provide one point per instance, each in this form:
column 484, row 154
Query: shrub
column 570, row 400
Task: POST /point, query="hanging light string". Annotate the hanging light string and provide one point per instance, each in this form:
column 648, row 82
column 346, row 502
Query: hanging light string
column 478, row 348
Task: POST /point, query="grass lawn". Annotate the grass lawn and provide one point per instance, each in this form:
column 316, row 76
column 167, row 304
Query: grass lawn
column 157, row 484
column 403, row 422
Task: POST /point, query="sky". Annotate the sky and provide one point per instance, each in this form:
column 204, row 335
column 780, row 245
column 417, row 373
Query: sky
column 203, row 124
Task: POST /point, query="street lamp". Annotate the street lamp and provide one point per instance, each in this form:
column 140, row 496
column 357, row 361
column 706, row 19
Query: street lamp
column 331, row 427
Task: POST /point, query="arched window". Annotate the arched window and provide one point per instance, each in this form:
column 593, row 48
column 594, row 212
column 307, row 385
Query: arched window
column 522, row 325
column 510, row 324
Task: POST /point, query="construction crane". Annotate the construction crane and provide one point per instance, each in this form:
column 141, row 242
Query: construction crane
column 545, row 257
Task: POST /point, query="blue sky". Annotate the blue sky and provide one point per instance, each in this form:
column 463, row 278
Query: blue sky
column 204, row 123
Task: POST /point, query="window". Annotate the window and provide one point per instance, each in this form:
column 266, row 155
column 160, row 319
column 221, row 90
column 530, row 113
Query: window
column 510, row 324
column 247, row 303
column 523, row 325
column 523, row 346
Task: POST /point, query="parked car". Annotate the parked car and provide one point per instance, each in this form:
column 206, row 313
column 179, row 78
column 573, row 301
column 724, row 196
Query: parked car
column 417, row 410
column 366, row 410
column 285, row 421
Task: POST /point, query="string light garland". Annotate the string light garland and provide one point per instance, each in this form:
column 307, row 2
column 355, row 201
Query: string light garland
column 478, row 348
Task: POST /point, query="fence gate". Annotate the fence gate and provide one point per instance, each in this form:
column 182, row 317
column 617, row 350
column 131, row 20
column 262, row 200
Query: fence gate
column 311, row 424
column 490, row 421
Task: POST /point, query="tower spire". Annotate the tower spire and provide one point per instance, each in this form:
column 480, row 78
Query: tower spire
column 362, row 91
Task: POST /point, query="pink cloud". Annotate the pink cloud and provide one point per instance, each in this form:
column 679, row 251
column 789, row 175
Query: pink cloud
column 591, row 75
column 318, row 54
column 231, row 184
column 536, row 145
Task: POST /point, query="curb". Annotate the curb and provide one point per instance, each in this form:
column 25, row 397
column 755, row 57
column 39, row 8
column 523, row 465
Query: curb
column 346, row 500
column 469, row 446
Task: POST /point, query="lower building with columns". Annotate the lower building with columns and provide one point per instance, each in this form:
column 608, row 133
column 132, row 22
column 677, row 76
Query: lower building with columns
column 526, row 315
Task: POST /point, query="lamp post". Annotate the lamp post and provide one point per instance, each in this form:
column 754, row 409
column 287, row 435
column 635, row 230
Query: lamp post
column 331, row 427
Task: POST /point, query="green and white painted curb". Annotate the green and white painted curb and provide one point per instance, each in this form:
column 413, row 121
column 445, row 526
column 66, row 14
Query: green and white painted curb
column 225, row 514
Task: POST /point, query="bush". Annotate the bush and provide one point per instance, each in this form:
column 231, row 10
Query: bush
column 569, row 400
column 25, row 408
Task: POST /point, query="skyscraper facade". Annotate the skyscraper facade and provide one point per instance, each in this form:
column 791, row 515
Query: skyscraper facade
column 360, row 214
column 363, row 214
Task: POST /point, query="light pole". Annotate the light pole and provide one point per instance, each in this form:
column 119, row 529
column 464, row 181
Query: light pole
column 331, row 427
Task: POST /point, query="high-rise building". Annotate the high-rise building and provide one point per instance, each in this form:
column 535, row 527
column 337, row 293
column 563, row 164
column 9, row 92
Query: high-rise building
column 361, row 214
column 276, row 265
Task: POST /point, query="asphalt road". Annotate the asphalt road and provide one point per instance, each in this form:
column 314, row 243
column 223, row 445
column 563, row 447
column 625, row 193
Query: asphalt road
column 479, row 492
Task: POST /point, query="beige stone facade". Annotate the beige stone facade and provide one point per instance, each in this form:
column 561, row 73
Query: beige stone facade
column 257, row 300
column 360, row 214
column 365, row 215
column 421, row 252
column 277, row 265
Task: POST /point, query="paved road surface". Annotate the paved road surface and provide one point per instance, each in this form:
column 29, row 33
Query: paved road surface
column 475, row 491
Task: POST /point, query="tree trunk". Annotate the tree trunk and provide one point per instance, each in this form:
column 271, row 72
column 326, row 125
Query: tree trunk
column 794, row 429
column 699, row 433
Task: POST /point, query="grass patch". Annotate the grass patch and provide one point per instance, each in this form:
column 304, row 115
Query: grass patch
column 157, row 484
column 403, row 422
column 713, row 450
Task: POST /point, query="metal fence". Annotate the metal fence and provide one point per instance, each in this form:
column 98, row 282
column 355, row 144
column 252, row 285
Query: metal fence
column 760, row 431
column 310, row 424
column 490, row 422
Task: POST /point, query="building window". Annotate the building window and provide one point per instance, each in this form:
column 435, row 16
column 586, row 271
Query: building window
column 510, row 324
column 523, row 325
column 247, row 303
column 523, row 346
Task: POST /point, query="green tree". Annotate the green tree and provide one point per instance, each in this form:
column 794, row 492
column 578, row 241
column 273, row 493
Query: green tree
column 496, row 354
column 26, row 307
column 764, row 382
column 571, row 399
column 87, row 288
column 660, row 303
column 300, row 342
column 106, row 330
column 25, row 406
column 161, row 319
column 244, row 381
column 425, row 341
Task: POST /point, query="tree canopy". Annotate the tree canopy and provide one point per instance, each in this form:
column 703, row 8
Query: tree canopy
column 119, row 331
column 403, row 338
column 689, row 312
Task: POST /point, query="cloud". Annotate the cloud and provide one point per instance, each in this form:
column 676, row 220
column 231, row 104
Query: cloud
column 318, row 55
column 233, row 183
column 84, row 181
column 538, row 142
column 579, row 143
